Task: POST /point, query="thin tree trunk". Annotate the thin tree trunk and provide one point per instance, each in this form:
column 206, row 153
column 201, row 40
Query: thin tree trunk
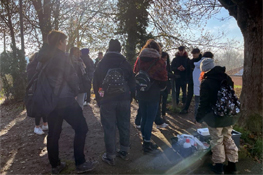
column 21, row 26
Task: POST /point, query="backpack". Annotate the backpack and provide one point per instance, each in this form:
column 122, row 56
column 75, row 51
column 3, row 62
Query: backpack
column 142, row 79
column 40, row 99
column 227, row 103
column 114, row 82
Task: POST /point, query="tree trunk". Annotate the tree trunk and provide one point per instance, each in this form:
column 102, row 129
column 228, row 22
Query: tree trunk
column 249, row 18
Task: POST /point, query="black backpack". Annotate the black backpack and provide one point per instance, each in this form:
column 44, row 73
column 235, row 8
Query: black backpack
column 40, row 99
column 142, row 79
column 114, row 81
column 227, row 103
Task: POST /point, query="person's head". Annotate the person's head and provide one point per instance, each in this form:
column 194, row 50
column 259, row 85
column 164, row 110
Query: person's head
column 165, row 56
column 195, row 52
column 84, row 51
column 57, row 39
column 181, row 50
column 207, row 64
column 152, row 44
column 114, row 45
column 208, row 55
column 74, row 51
column 100, row 55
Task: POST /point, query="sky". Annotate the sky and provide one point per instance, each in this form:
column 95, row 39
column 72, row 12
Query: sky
column 214, row 25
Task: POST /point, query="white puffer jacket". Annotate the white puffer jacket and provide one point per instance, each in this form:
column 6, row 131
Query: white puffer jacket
column 196, row 75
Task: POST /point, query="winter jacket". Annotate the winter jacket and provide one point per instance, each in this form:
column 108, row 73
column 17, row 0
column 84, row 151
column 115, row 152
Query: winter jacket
column 31, row 68
column 157, row 73
column 196, row 75
column 90, row 67
column 109, row 61
column 61, row 74
column 176, row 63
column 84, row 80
column 208, row 97
column 191, row 67
column 170, row 75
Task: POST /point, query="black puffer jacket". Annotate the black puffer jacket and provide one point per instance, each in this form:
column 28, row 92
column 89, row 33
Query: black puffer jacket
column 109, row 61
column 208, row 96
column 176, row 63
column 61, row 74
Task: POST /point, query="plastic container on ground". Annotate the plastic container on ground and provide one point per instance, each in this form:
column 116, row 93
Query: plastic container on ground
column 236, row 137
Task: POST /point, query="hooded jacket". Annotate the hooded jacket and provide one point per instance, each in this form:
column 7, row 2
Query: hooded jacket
column 196, row 74
column 113, row 60
column 157, row 73
column 191, row 68
column 61, row 74
column 208, row 97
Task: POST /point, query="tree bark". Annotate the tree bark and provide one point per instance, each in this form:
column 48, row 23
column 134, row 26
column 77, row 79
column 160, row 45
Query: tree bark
column 249, row 18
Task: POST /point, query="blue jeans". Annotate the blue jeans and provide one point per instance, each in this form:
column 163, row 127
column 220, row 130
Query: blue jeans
column 148, row 113
column 197, row 101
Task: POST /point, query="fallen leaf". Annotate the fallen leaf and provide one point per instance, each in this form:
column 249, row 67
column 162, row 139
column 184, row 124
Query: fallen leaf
column 247, row 170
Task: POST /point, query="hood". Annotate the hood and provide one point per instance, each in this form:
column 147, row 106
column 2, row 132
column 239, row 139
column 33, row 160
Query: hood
column 113, row 58
column 148, row 54
column 177, row 54
column 198, row 63
column 217, row 73
column 46, row 52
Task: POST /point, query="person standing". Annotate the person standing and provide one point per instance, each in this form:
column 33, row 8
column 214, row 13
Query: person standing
column 114, row 87
column 90, row 68
column 197, row 56
column 150, row 58
column 179, row 67
column 63, row 79
column 98, row 59
column 31, row 70
column 196, row 80
column 220, row 127
column 80, row 68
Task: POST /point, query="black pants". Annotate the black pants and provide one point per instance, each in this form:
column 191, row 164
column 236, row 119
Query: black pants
column 180, row 84
column 74, row 116
column 37, row 120
column 163, row 100
column 190, row 92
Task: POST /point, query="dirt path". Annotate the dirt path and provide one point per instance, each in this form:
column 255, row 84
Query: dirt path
column 23, row 152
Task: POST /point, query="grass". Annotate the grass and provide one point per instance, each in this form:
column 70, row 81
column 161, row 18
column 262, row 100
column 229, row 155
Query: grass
column 237, row 86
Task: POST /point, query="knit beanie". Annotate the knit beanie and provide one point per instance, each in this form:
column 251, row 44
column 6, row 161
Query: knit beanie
column 84, row 51
column 207, row 64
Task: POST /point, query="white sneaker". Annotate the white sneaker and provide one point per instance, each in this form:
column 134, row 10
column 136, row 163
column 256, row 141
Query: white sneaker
column 138, row 126
column 85, row 103
column 164, row 125
column 38, row 131
column 44, row 128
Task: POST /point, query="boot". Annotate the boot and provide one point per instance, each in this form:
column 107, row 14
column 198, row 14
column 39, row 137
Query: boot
column 218, row 168
column 149, row 147
column 231, row 168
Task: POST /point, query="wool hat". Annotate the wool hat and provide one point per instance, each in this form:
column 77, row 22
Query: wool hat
column 207, row 64
column 85, row 51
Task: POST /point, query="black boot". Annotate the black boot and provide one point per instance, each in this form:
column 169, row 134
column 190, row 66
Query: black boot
column 218, row 168
column 149, row 147
column 231, row 168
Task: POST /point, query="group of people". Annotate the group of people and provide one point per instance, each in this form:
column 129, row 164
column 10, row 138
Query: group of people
column 115, row 85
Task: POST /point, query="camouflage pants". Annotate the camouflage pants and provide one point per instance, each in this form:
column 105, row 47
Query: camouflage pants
column 222, row 144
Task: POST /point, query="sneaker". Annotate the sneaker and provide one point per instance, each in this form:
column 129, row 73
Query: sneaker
column 149, row 147
column 107, row 160
column 38, row 131
column 59, row 168
column 123, row 155
column 86, row 167
column 164, row 125
column 44, row 128
column 85, row 103
column 138, row 126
